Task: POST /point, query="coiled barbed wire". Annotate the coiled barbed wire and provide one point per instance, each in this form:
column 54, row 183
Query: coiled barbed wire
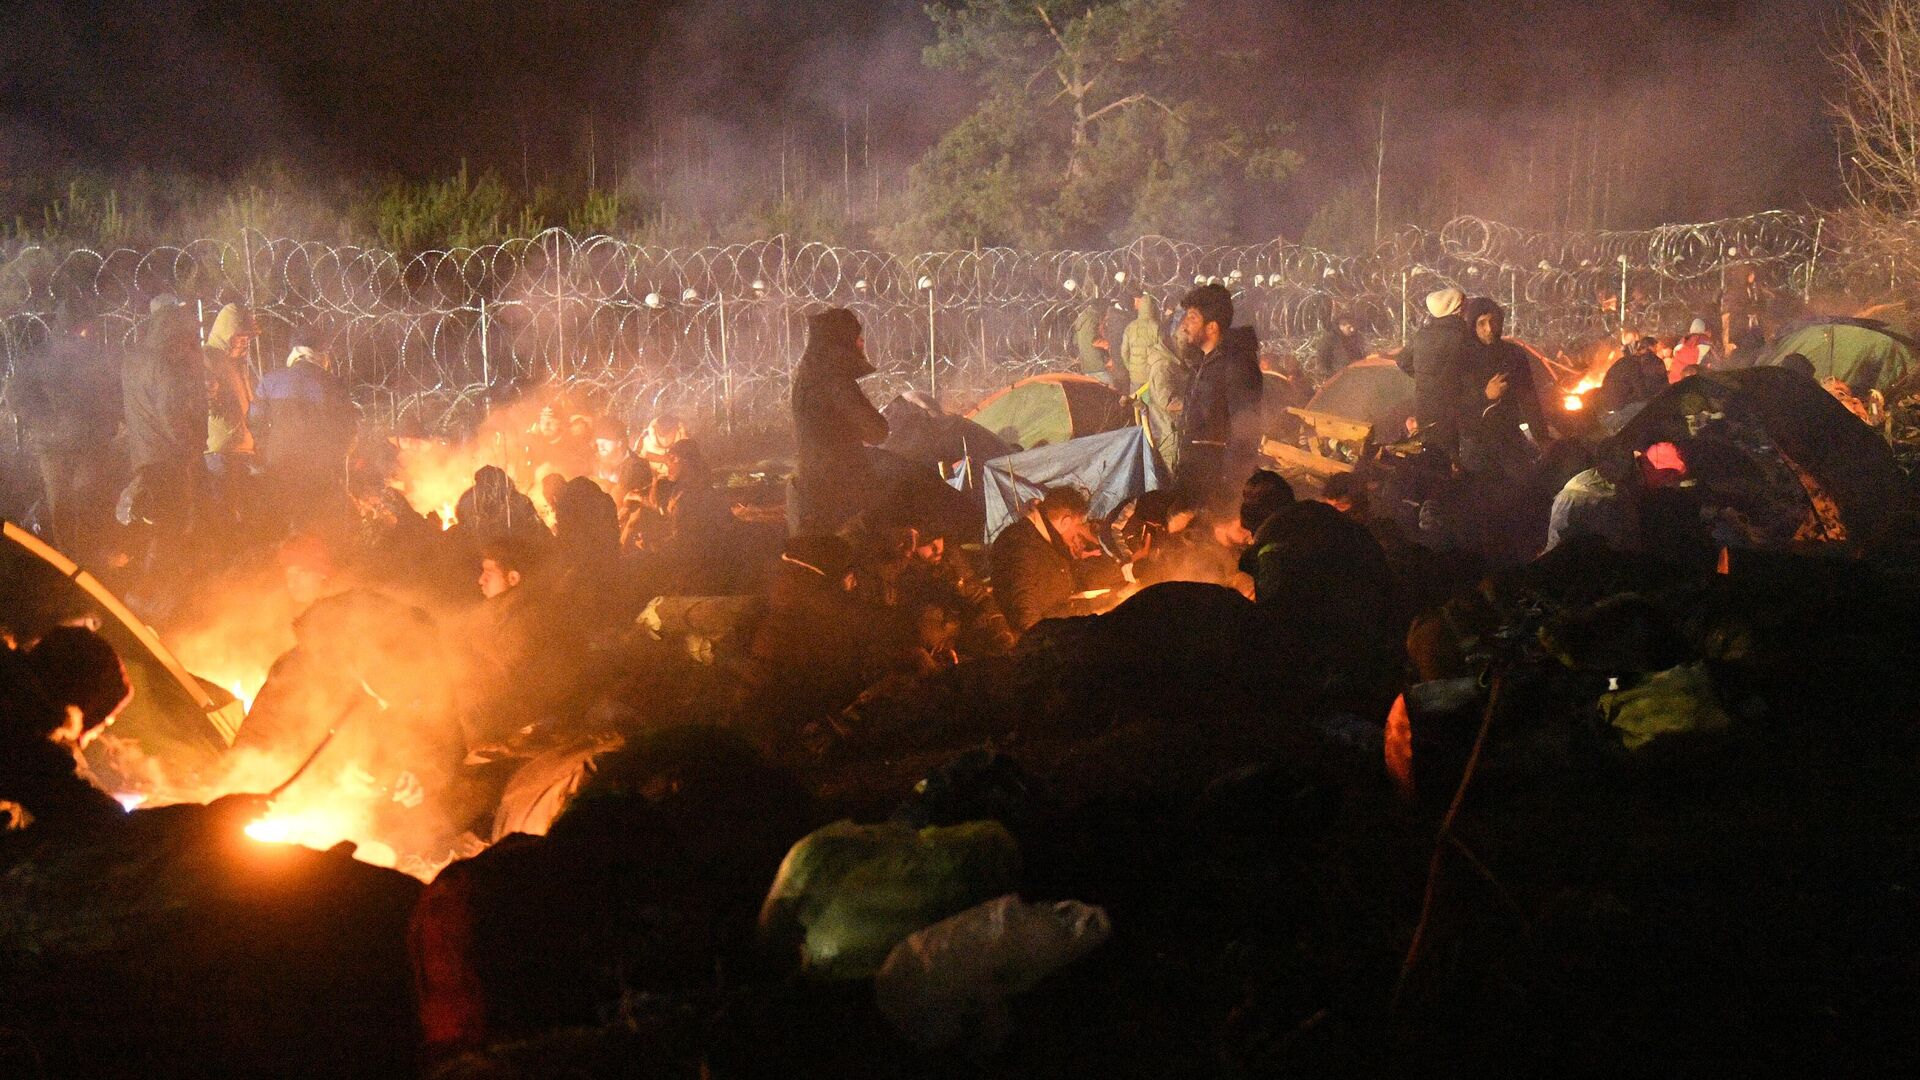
column 712, row 332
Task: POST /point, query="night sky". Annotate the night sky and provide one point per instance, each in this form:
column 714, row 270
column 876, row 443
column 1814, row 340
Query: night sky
column 1716, row 106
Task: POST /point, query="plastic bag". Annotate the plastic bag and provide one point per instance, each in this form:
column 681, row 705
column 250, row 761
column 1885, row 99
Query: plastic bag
column 851, row 892
column 949, row 983
column 1676, row 701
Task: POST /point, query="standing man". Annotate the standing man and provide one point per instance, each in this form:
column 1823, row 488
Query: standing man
column 229, row 397
column 66, row 397
column 833, row 423
column 1151, row 368
column 164, row 386
column 1090, row 343
column 1743, row 317
column 1220, row 411
column 305, row 421
column 1436, row 358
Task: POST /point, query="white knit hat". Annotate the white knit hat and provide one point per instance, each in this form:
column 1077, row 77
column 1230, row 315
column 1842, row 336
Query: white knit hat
column 1699, row 327
column 1444, row 302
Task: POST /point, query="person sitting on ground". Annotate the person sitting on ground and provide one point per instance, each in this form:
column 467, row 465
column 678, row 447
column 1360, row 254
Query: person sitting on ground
column 813, row 650
column 510, row 630
column 941, row 576
column 54, row 699
column 494, row 509
column 1048, row 565
column 616, row 468
column 1324, row 582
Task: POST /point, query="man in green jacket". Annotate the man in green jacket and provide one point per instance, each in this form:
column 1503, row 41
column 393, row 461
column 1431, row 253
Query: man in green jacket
column 1090, row 343
column 1151, row 368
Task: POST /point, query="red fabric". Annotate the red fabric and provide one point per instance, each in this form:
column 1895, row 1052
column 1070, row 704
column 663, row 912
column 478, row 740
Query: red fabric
column 453, row 1007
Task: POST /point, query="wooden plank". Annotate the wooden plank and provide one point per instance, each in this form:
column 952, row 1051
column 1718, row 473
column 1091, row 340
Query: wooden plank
column 1329, row 426
column 1294, row 457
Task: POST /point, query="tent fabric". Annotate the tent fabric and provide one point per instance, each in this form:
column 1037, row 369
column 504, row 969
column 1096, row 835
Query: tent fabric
column 937, row 438
column 1047, row 410
column 1373, row 391
column 1864, row 354
column 1799, row 440
column 173, row 718
column 1111, row 468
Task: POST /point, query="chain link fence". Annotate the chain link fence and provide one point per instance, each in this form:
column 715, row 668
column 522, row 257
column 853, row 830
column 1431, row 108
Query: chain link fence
column 713, row 332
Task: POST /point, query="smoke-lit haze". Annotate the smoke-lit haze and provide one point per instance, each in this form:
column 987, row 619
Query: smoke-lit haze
column 1658, row 110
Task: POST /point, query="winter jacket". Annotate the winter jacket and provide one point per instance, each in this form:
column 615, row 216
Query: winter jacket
column 165, row 393
column 1633, row 377
column 1035, row 577
column 1086, row 335
column 833, row 423
column 1333, row 351
column 1489, row 431
column 304, row 422
column 1150, row 364
column 1434, row 358
column 1222, row 400
column 229, row 386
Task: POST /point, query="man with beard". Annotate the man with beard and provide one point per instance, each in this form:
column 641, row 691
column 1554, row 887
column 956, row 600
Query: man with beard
column 67, row 400
column 1220, row 411
column 833, row 424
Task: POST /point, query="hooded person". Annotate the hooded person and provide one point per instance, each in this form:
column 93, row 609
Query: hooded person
column 45, row 722
column 833, row 424
column 1090, row 345
column 1220, row 410
column 229, row 384
column 493, row 509
column 1152, row 370
column 1639, row 375
column 1694, row 350
column 1338, row 345
column 1434, row 359
column 164, row 393
column 66, row 400
column 1498, row 413
column 304, row 423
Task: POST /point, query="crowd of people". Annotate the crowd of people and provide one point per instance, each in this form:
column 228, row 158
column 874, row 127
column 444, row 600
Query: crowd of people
column 594, row 582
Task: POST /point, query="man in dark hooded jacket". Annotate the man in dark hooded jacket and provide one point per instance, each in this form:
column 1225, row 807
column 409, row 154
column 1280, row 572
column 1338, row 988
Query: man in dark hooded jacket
column 1338, row 345
column 1220, row 412
column 1498, row 413
column 66, row 397
column 833, row 424
column 165, row 394
column 1434, row 358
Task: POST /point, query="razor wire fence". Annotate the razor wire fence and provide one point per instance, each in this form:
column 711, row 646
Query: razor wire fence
column 713, row 332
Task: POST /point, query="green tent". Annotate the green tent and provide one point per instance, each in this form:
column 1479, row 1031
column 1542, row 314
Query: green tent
column 175, row 719
column 1864, row 354
column 1046, row 410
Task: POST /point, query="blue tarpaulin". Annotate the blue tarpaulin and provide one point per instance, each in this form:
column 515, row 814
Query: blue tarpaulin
column 1111, row 468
